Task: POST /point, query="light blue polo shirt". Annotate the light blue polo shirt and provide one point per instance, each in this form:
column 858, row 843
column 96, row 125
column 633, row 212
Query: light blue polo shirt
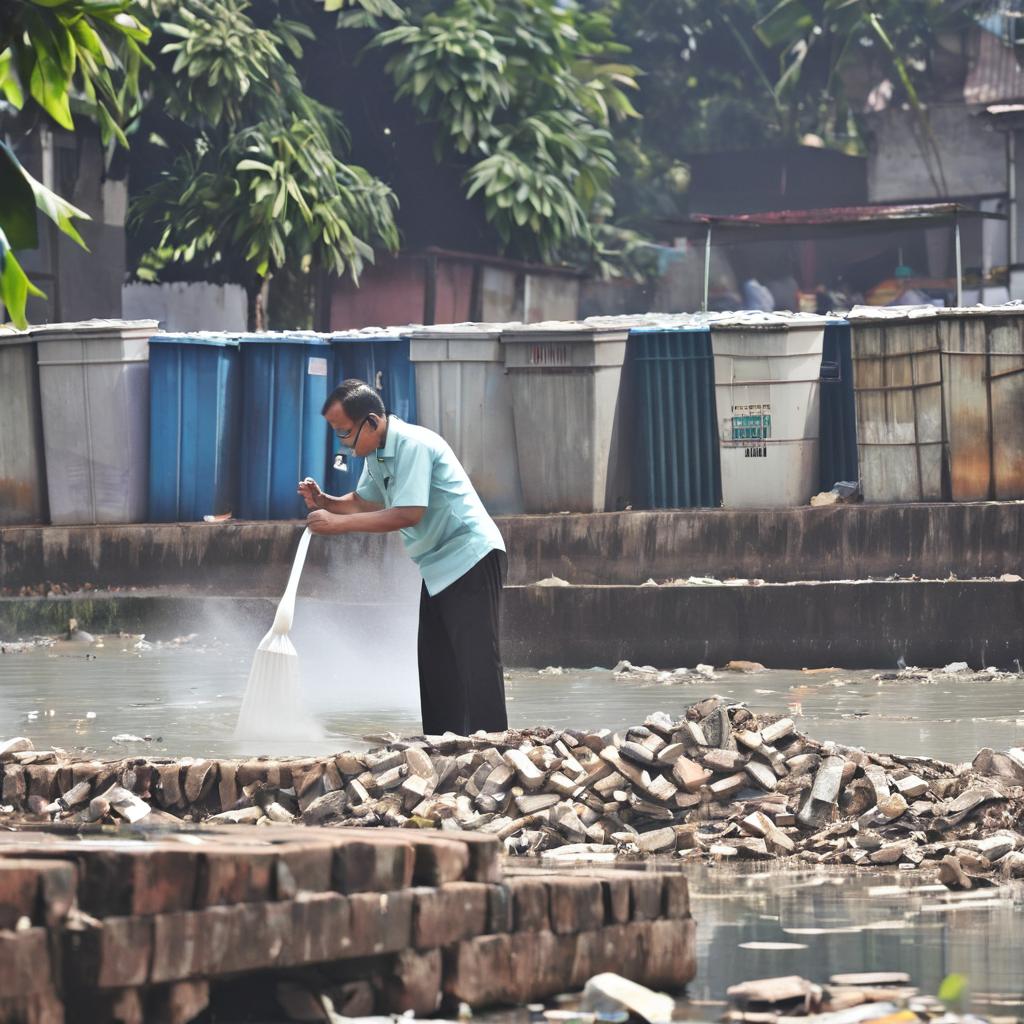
column 417, row 468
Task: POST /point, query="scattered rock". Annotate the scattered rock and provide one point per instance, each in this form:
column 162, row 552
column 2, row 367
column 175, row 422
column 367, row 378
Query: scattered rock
column 748, row 667
column 608, row 994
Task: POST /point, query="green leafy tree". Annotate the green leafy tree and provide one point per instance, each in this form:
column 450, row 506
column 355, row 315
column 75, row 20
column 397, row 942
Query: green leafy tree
column 818, row 42
column 255, row 181
column 750, row 73
column 527, row 91
column 57, row 56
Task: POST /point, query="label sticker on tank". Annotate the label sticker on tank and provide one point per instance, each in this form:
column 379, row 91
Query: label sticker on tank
column 317, row 367
column 752, row 424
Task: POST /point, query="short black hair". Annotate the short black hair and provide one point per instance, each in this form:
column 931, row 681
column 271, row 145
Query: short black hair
column 357, row 398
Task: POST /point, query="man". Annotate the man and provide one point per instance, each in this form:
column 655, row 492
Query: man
column 413, row 483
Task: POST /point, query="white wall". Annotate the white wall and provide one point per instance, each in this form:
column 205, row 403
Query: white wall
column 187, row 306
column 973, row 155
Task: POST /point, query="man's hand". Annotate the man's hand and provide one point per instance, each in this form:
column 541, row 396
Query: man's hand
column 320, row 521
column 311, row 493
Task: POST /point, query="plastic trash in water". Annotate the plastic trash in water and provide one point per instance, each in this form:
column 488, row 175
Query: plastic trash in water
column 273, row 707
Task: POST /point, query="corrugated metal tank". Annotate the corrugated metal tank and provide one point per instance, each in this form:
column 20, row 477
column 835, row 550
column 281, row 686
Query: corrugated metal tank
column 284, row 384
column 940, row 402
column 195, row 423
column 672, row 373
column 380, row 357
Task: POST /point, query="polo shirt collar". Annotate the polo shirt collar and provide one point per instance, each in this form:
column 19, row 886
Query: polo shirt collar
column 391, row 442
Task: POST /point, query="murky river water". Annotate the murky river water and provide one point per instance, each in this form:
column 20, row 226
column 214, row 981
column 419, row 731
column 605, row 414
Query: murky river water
column 838, row 921
column 187, row 699
column 751, row 923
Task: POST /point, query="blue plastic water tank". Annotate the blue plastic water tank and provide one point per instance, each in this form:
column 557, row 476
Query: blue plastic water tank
column 284, row 385
column 194, row 392
column 382, row 360
column 838, row 447
column 673, row 389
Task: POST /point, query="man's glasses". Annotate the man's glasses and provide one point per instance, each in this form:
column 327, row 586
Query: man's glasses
column 343, row 435
column 340, row 461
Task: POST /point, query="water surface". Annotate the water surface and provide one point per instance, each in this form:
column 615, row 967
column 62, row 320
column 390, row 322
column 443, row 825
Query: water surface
column 186, row 698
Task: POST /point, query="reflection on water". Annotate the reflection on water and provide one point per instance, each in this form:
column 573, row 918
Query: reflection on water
column 844, row 921
column 187, row 699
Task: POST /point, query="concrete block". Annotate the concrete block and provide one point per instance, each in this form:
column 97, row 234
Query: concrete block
column 646, row 891
column 449, row 914
column 676, row 893
column 303, row 867
column 25, row 968
column 234, row 874
column 414, row 983
column 142, row 881
column 529, row 904
column 41, row 890
column 381, row 922
column 372, row 866
column 479, row 971
column 576, row 904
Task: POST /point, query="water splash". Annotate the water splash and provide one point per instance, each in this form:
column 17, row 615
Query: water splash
column 273, row 706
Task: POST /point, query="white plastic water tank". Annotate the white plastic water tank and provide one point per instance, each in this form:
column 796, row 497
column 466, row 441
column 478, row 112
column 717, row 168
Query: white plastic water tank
column 768, row 397
column 94, row 394
column 463, row 393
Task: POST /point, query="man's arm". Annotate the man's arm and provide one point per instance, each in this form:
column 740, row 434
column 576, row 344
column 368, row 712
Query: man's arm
column 372, row 520
column 347, row 504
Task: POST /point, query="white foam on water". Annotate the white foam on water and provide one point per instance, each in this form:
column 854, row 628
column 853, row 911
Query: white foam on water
column 273, row 706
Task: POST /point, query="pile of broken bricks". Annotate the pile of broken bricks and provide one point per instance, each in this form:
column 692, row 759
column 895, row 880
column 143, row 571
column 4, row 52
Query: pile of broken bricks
column 720, row 782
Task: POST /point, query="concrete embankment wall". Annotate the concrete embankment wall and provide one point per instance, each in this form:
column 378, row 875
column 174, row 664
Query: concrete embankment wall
column 841, row 542
column 851, row 625
column 200, row 571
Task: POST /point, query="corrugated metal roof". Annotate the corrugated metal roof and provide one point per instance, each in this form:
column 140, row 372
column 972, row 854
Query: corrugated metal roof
column 832, row 215
column 994, row 75
column 831, row 221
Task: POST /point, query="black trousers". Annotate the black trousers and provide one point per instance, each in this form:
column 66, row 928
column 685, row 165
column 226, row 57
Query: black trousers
column 462, row 683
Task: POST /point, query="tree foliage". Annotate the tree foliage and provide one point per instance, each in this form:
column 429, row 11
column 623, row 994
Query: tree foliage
column 528, row 91
column 752, row 73
column 818, row 43
column 535, row 104
column 256, row 179
column 57, row 56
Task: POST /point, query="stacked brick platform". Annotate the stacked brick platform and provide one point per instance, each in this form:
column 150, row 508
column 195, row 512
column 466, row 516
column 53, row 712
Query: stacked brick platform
column 99, row 927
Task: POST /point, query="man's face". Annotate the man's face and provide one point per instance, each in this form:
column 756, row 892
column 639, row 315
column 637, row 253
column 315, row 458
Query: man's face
column 360, row 436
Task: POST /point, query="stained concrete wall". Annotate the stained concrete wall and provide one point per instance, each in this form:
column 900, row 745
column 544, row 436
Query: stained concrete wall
column 852, row 625
column 843, row 542
column 973, row 155
column 79, row 283
column 839, row 543
column 228, row 558
column 836, row 543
